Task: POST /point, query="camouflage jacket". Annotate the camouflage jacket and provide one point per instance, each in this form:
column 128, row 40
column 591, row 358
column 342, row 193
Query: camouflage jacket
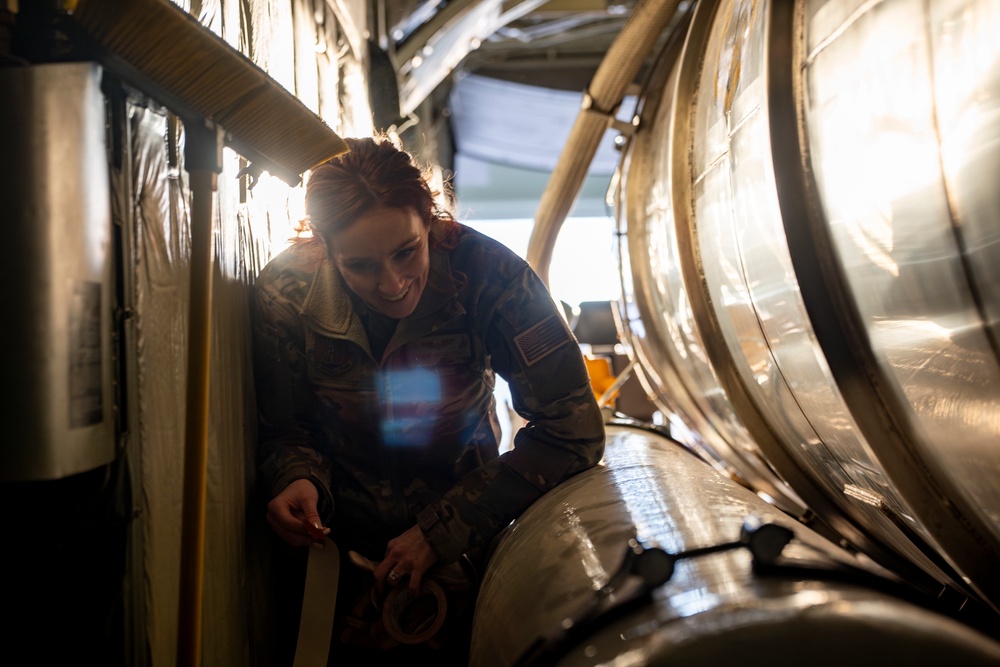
column 412, row 437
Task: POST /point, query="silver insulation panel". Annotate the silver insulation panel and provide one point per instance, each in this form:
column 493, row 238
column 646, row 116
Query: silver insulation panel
column 58, row 412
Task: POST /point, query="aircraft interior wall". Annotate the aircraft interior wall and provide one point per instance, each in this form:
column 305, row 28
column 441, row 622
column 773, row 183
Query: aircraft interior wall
column 119, row 526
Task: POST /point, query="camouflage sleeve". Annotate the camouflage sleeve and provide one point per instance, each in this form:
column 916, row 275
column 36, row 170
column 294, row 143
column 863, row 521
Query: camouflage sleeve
column 532, row 348
column 288, row 435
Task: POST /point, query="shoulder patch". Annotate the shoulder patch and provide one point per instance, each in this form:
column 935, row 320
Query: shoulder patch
column 542, row 339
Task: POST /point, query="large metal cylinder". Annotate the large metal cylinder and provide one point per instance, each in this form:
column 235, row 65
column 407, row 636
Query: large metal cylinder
column 57, row 408
column 555, row 592
column 808, row 216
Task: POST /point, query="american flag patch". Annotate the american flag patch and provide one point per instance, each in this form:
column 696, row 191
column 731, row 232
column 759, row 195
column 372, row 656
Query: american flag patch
column 542, row 339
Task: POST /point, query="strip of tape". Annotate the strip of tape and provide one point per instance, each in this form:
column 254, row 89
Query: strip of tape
column 319, row 603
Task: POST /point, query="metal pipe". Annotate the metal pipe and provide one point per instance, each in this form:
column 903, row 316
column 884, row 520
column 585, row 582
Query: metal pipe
column 201, row 148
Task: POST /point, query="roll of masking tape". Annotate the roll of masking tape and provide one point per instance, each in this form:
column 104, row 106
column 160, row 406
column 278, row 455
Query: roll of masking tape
column 411, row 618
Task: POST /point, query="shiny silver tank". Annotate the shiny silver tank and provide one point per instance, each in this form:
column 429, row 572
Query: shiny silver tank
column 58, row 412
column 583, row 577
column 810, row 235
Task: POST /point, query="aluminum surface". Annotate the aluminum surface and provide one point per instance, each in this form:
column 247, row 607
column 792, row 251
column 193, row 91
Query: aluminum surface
column 744, row 295
column 656, row 313
column 904, row 176
column 56, row 268
column 811, row 240
column 568, row 545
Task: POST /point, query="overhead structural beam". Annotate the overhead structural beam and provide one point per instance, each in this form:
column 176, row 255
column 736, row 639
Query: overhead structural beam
column 440, row 21
column 425, row 33
column 597, row 113
column 162, row 50
column 438, row 46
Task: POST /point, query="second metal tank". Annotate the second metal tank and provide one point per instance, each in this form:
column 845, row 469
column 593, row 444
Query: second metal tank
column 656, row 558
column 808, row 212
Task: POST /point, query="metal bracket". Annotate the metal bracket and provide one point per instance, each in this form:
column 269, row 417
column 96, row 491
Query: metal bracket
column 626, row 128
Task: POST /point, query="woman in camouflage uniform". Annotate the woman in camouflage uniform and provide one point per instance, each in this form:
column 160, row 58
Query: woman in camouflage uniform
column 375, row 348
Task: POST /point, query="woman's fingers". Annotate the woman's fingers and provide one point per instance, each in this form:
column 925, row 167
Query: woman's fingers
column 293, row 515
column 411, row 555
column 294, row 536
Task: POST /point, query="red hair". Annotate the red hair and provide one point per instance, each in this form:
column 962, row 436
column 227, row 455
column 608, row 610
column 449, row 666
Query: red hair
column 373, row 173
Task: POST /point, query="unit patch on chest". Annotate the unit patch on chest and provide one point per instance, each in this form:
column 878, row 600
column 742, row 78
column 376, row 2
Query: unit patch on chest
column 331, row 356
column 442, row 350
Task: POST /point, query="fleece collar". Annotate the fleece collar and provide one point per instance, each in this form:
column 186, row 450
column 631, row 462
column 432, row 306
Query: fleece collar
column 329, row 310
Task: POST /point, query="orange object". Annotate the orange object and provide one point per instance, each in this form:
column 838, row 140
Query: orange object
column 601, row 377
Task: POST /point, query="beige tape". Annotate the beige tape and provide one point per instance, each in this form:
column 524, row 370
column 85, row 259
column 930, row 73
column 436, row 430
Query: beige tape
column 319, row 601
column 425, row 623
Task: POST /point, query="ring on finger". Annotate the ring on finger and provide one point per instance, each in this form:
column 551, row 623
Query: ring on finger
column 392, row 577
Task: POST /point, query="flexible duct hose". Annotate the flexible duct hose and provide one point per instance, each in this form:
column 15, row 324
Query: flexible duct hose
column 617, row 70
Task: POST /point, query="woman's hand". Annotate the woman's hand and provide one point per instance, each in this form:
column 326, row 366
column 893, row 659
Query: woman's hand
column 293, row 515
column 409, row 554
